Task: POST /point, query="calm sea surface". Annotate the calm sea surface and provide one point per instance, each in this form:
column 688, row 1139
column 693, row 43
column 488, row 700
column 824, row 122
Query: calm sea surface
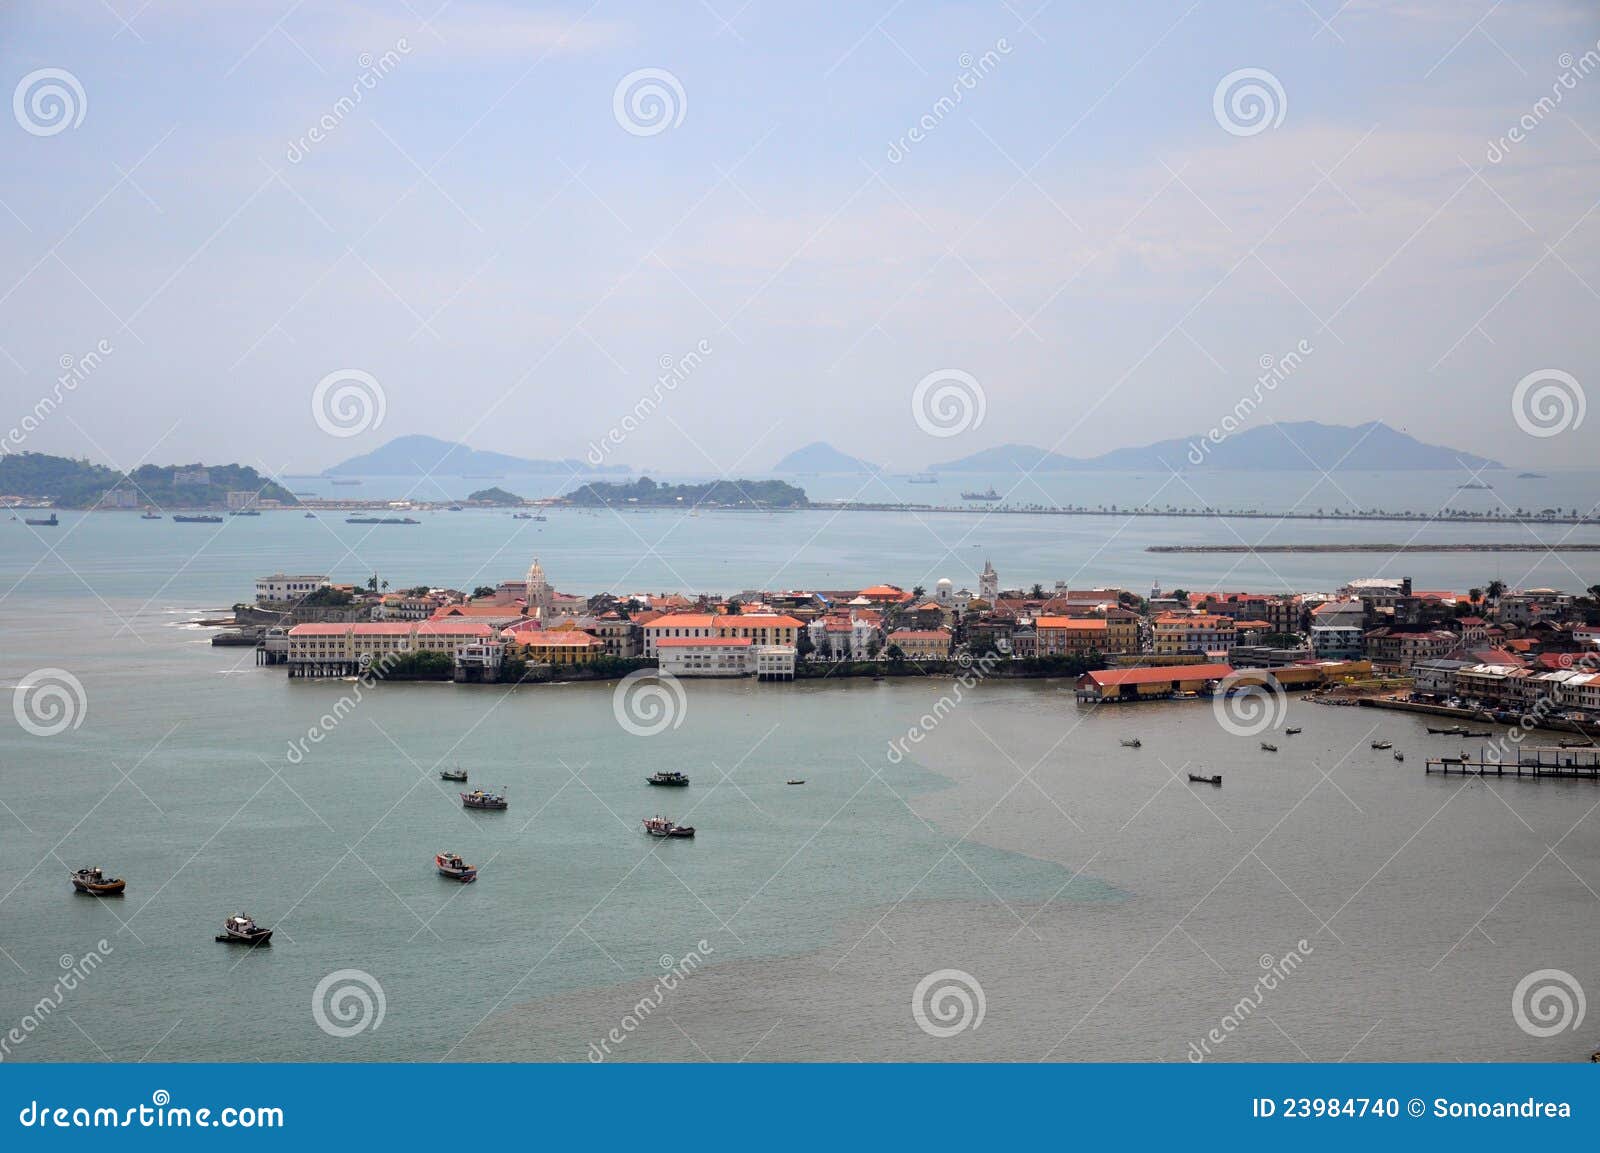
column 1106, row 908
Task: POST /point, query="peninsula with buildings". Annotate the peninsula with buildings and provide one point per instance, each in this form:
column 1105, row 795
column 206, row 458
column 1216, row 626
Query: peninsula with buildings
column 1484, row 652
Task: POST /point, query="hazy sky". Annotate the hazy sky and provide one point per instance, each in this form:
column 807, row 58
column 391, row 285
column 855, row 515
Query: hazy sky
column 1080, row 233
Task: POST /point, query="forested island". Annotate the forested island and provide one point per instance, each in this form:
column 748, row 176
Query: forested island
column 645, row 492
column 68, row 483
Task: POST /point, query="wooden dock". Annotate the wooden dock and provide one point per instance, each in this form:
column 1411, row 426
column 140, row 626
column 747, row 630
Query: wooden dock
column 1539, row 761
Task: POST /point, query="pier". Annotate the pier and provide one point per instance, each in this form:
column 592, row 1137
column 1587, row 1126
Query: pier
column 1568, row 764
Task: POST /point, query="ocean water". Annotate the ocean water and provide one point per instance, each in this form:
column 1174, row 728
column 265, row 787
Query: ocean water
column 1105, row 907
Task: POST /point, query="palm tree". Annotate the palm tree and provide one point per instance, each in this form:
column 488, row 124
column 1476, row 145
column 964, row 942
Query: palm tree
column 1496, row 589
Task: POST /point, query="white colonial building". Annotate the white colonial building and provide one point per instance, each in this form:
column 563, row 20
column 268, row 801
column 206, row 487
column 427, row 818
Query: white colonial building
column 284, row 588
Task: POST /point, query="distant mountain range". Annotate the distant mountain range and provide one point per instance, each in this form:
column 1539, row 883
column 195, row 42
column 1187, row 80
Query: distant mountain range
column 428, row 455
column 820, row 457
column 1287, row 447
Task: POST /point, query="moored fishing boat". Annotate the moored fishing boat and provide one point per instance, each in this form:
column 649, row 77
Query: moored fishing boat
column 1132, row 743
column 95, row 882
column 456, row 774
column 451, row 865
column 1383, row 744
column 795, row 781
column 42, row 522
column 1198, row 779
column 659, row 826
column 243, row 930
column 1293, row 730
column 1268, row 746
column 478, row 799
column 667, row 778
column 203, row 518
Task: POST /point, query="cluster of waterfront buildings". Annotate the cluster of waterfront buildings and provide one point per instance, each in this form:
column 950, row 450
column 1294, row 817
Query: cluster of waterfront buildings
column 1484, row 644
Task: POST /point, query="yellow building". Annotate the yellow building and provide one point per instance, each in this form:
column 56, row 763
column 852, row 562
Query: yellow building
column 553, row 646
column 1175, row 633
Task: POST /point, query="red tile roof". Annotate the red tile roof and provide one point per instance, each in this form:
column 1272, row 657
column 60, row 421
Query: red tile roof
column 701, row 642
